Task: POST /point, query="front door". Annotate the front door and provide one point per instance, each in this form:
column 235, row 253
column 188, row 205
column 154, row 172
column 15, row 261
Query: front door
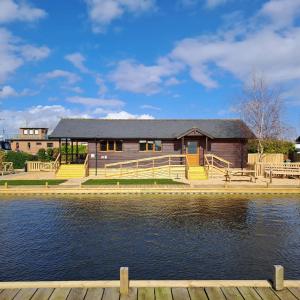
column 192, row 153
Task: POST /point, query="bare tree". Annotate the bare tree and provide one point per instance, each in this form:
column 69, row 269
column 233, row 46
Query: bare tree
column 261, row 108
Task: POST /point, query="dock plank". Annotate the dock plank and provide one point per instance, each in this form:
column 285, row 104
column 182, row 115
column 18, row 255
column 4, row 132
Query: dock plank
column 25, row 294
column 285, row 295
column 94, row 294
column 146, row 294
column 214, row 293
column 163, row 294
column 197, row 294
column 60, row 294
column 132, row 295
column 249, row 293
column 42, row 294
column 8, row 294
column 180, row 294
column 111, row 294
column 295, row 291
column 232, row 293
column 267, row 294
column 77, row 294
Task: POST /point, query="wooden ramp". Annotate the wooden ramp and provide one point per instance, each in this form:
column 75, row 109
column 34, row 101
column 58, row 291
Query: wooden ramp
column 150, row 293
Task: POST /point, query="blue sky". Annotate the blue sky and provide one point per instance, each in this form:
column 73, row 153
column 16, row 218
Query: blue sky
column 143, row 58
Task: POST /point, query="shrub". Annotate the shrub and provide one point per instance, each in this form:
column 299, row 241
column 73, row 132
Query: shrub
column 2, row 156
column 272, row 146
column 19, row 158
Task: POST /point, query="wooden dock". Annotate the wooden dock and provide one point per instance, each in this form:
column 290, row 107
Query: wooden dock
column 160, row 293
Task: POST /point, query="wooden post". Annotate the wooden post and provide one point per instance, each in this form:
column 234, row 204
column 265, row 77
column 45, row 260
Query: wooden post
column 77, row 152
column 124, row 281
column 96, row 153
column 46, row 184
column 66, row 150
column 72, row 152
column 278, row 280
column 60, row 151
column 6, row 184
column 271, row 176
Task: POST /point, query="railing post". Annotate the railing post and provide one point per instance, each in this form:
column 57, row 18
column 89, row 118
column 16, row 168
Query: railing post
column 124, row 281
column 278, row 279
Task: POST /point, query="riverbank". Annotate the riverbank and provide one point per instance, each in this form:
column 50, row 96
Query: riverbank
column 147, row 190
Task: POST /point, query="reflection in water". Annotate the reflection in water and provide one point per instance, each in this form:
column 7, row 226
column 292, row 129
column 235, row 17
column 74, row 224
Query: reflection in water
column 157, row 237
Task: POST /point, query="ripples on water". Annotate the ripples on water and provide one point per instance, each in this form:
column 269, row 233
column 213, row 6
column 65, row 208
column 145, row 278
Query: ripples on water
column 157, row 237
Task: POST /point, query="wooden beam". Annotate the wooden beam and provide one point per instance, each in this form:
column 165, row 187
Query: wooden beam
column 124, row 281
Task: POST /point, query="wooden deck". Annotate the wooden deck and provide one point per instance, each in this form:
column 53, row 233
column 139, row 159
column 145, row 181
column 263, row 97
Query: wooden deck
column 194, row 293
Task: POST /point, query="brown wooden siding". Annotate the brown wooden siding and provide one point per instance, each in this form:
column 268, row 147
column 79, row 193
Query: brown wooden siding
column 234, row 151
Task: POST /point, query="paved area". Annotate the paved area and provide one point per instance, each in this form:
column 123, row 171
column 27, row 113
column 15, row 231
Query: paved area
column 211, row 293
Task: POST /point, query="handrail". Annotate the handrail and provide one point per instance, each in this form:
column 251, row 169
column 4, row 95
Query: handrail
column 145, row 159
column 86, row 165
column 218, row 158
column 57, row 163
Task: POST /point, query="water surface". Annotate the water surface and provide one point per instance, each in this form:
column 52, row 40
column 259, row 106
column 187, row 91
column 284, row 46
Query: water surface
column 186, row 237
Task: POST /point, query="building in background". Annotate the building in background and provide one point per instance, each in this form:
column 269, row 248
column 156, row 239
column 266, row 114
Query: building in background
column 31, row 140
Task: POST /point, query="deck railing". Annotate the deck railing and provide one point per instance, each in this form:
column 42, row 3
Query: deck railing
column 6, row 168
column 86, row 165
column 36, row 166
column 214, row 163
column 149, row 164
column 263, row 169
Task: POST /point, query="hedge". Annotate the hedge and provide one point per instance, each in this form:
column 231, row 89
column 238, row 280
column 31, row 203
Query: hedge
column 272, row 146
column 19, row 158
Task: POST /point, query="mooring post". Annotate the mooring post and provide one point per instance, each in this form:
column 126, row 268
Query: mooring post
column 124, row 281
column 46, row 184
column 6, row 184
column 278, row 280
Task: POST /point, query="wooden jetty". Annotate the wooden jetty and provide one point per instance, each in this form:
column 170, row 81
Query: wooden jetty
column 125, row 289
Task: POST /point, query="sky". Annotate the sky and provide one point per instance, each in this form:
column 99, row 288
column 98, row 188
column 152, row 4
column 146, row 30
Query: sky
column 143, row 58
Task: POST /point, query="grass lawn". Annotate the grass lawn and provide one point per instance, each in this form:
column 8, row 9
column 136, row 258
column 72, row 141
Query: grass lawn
column 129, row 181
column 32, row 182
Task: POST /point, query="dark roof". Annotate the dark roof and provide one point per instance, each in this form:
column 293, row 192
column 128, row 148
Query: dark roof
column 163, row 129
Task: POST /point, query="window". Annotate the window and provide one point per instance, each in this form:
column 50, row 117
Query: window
column 31, row 131
column 17, row 146
column 151, row 146
column 49, row 145
column 111, row 146
column 119, row 146
column 25, row 131
column 36, row 131
column 28, row 145
column 157, row 146
column 38, row 144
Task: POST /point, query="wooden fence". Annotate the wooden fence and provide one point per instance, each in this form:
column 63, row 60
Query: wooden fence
column 271, row 158
column 36, row 166
column 261, row 168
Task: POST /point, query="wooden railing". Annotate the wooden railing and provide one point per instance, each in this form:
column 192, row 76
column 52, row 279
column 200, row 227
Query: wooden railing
column 150, row 164
column 6, row 168
column 57, row 163
column 86, row 165
column 263, row 169
column 214, row 163
column 36, row 166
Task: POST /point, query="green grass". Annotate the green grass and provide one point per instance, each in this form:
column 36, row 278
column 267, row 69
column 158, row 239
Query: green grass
column 32, row 182
column 129, row 181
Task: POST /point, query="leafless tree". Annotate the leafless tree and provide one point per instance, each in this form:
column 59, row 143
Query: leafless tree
column 261, row 108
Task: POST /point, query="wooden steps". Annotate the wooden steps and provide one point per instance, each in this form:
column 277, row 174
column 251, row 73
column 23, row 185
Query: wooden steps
column 197, row 173
column 71, row 171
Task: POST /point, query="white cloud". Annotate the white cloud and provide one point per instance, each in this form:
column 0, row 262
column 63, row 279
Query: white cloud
column 11, row 10
column 14, row 54
column 127, row 115
column 40, row 116
column 30, row 52
column 103, row 12
column 148, row 106
column 273, row 53
column 138, row 78
column 7, row 91
column 77, row 59
column 70, row 77
column 96, row 102
column 215, row 3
